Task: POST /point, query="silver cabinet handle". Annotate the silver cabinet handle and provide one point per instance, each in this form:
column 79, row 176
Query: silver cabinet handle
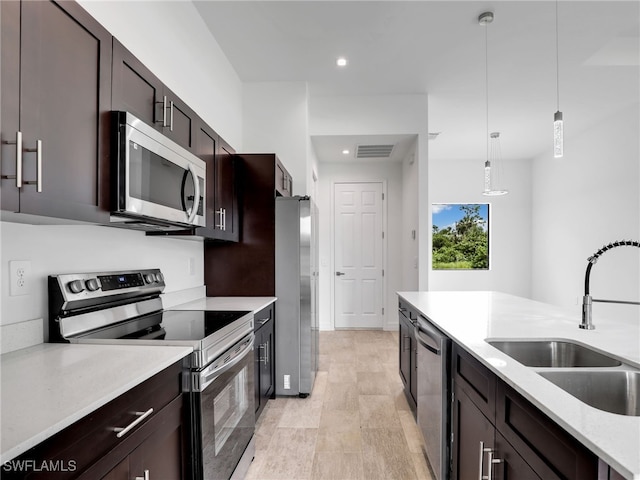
column 146, row 476
column 224, row 219
column 18, row 144
column 220, row 225
column 38, row 180
column 164, row 111
column 267, row 350
column 141, row 416
column 338, row 274
column 170, row 115
column 480, row 477
column 491, row 463
column 262, row 321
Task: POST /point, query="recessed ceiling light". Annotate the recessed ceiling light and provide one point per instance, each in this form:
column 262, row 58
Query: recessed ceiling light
column 345, row 152
column 341, row 62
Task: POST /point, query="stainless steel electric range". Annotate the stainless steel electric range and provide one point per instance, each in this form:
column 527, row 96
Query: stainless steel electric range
column 125, row 307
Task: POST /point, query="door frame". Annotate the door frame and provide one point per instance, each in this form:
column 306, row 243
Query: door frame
column 332, row 320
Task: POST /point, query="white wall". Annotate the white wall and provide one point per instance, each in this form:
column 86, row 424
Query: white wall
column 172, row 40
column 509, row 219
column 410, row 216
column 369, row 115
column 275, row 120
column 390, row 174
column 54, row 249
column 581, row 202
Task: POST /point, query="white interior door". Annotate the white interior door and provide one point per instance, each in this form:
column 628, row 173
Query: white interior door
column 358, row 240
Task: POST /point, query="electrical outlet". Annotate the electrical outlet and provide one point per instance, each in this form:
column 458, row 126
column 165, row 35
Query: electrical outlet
column 19, row 277
column 287, row 382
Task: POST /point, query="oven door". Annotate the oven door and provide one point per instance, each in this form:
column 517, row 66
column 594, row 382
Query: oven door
column 223, row 403
column 159, row 179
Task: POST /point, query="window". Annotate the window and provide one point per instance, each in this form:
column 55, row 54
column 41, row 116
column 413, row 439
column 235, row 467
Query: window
column 460, row 236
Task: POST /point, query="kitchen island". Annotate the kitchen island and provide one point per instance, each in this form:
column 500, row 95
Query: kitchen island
column 471, row 318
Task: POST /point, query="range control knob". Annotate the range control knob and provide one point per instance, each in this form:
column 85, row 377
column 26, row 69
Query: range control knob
column 92, row 284
column 159, row 277
column 76, row 286
column 150, row 277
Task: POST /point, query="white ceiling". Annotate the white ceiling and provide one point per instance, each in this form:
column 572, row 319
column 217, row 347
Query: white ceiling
column 438, row 48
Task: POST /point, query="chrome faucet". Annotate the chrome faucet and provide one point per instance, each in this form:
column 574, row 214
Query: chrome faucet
column 587, row 322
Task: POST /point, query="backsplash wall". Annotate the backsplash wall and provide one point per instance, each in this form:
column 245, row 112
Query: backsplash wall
column 54, row 249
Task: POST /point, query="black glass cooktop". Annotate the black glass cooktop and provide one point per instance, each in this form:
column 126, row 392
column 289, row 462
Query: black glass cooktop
column 169, row 325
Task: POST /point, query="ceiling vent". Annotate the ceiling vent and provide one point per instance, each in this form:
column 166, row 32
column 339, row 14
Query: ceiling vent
column 374, row 151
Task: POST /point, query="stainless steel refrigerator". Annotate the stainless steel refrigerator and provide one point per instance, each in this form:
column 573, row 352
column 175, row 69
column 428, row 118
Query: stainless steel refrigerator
column 296, row 327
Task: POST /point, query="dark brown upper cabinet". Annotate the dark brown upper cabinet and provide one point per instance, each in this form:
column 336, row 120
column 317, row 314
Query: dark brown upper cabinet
column 248, row 267
column 223, row 172
column 226, row 194
column 138, row 91
column 56, row 97
column 284, row 181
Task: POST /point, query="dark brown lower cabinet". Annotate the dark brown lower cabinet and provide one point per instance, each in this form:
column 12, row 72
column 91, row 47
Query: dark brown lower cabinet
column 160, row 455
column 91, row 449
column 478, row 447
column 518, row 440
column 408, row 360
column 265, row 354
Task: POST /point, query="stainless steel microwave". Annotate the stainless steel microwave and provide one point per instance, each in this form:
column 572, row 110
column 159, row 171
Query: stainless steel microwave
column 157, row 184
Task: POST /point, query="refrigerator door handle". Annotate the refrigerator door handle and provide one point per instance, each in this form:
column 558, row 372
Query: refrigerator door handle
column 339, row 274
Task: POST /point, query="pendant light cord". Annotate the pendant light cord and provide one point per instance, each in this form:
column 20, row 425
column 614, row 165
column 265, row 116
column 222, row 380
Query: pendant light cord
column 557, row 62
column 486, row 80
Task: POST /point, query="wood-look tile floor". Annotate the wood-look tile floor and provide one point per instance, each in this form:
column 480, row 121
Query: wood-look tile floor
column 356, row 424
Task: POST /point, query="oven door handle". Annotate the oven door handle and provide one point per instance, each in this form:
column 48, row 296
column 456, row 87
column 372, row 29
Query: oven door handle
column 208, row 377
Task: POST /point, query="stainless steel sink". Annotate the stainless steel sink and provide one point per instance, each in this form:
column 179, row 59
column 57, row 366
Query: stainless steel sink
column 553, row 353
column 616, row 391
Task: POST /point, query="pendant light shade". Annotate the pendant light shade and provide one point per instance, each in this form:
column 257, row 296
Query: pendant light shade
column 493, row 168
column 493, row 163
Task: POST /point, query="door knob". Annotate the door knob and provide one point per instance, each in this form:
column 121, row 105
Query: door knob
column 339, row 273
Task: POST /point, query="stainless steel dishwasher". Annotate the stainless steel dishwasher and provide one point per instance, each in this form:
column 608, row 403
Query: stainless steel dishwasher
column 433, row 395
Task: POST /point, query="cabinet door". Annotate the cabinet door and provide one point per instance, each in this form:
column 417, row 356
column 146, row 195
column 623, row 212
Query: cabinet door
column 206, row 143
column 180, row 125
column 65, row 90
column 405, row 350
column 470, row 428
column 413, row 368
column 266, row 366
column 227, row 211
column 10, row 102
column 163, row 453
column 136, row 89
column 283, row 180
column 257, row 355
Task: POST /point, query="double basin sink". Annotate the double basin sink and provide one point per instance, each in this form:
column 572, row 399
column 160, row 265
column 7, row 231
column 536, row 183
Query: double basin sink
column 594, row 378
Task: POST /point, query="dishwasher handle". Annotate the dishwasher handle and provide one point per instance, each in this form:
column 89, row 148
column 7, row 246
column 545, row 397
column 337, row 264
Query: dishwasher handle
column 428, row 336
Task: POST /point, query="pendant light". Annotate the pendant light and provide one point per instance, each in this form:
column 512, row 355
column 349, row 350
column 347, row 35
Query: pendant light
column 493, row 164
column 558, row 124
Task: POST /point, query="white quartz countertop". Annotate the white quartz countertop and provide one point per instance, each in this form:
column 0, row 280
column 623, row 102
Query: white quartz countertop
column 48, row 387
column 254, row 304
column 469, row 318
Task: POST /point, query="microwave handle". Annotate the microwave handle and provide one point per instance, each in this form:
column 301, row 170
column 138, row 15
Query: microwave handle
column 196, row 189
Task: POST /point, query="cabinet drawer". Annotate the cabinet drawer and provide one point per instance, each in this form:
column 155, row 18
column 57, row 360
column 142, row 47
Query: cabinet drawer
column 551, row 452
column 263, row 316
column 79, row 446
column 476, row 380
